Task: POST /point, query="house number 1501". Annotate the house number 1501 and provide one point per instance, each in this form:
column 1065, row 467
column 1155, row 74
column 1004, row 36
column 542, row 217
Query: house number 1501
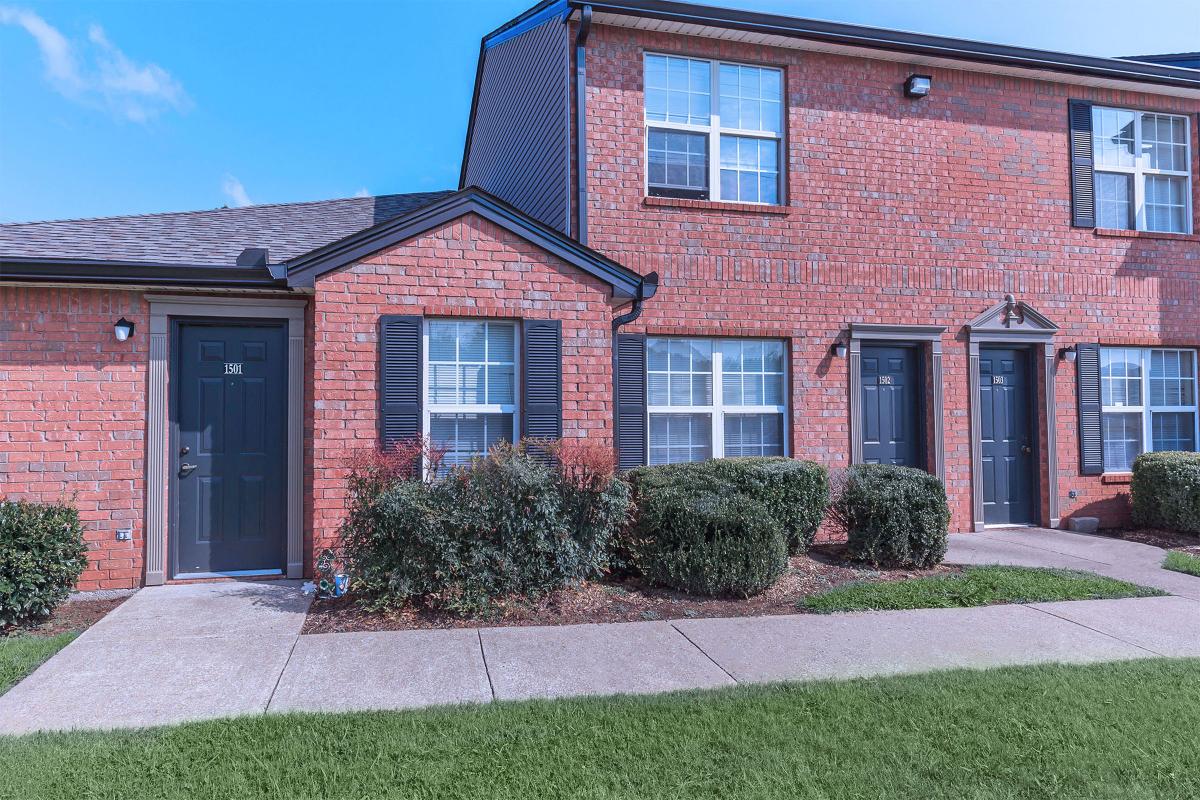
column 233, row 368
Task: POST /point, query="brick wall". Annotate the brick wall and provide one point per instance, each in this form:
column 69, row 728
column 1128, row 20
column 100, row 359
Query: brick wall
column 898, row 211
column 72, row 416
column 468, row 268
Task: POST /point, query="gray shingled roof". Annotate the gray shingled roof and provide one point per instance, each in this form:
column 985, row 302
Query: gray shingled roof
column 213, row 237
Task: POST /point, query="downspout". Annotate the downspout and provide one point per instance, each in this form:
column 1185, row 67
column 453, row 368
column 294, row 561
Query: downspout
column 581, row 35
column 648, row 289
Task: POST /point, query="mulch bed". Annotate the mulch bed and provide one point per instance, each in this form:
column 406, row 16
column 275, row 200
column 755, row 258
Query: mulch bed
column 615, row 600
column 1168, row 540
column 74, row 615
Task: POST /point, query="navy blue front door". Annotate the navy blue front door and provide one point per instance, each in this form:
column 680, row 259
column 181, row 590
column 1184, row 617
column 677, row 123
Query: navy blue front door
column 1006, row 431
column 893, row 417
column 230, row 453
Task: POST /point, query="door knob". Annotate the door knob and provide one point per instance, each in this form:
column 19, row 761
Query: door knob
column 1026, row 449
column 186, row 469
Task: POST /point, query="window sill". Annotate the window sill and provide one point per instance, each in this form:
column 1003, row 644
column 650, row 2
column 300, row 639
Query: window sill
column 1121, row 233
column 1117, row 478
column 716, row 205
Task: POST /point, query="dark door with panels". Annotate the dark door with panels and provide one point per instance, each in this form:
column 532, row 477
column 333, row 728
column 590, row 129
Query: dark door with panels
column 1009, row 466
column 229, row 458
column 893, row 416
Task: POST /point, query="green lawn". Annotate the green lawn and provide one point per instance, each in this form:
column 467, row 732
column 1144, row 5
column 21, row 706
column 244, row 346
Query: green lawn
column 974, row 586
column 1125, row 731
column 21, row 655
column 1182, row 562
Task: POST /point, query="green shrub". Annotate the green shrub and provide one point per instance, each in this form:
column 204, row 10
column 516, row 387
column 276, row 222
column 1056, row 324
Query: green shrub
column 42, row 555
column 893, row 516
column 795, row 493
column 508, row 523
column 1166, row 491
column 697, row 533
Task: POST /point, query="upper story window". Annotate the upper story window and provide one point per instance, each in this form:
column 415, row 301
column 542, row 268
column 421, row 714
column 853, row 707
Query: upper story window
column 1149, row 403
column 728, row 150
column 1142, row 169
column 471, row 386
column 715, row 398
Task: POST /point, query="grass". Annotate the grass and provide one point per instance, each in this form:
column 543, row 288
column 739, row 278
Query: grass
column 974, row 586
column 1182, row 562
column 22, row 654
column 1123, row 730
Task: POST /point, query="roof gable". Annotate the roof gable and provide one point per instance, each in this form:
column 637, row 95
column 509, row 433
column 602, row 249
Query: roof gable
column 625, row 283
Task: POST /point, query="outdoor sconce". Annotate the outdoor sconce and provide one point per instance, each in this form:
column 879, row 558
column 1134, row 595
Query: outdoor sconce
column 123, row 329
column 917, row 86
column 839, row 349
column 1068, row 354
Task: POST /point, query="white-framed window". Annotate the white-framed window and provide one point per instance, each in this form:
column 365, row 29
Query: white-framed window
column 1149, row 403
column 715, row 398
column 470, row 386
column 728, row 150
column 1142, row 170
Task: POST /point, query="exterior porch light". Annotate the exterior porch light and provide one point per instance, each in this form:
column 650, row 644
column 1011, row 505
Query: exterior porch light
column 1068, row 354
column 123, row 329
column 917, row 86
column 839, row 349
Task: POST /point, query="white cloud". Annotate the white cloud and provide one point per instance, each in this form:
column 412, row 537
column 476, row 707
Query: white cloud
column 236, row 193
column 362, row 192
column 97, row 73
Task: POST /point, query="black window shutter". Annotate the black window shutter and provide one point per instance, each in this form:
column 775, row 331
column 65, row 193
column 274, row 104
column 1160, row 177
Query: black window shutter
column 1091, row 440
column 542, row 388
column 399, row 378
column 631, row 400
column 1083, row 189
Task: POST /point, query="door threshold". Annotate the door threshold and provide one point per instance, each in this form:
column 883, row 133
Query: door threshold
column 234, row 573
column 1002, row 525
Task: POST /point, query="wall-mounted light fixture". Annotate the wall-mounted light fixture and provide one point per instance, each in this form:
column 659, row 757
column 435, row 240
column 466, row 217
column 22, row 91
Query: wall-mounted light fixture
column 1068, row 354
column 918, row 86
column 839, row 349
column 123, row 329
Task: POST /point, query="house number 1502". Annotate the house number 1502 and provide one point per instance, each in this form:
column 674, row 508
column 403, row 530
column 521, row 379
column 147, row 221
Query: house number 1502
column 233, row 368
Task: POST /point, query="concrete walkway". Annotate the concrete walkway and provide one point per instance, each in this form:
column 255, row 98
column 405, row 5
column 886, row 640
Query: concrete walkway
column 178, row 653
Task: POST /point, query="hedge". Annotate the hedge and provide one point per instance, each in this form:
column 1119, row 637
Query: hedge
column 893, row 516
column 1166, row 491
column 698, row 534
column 42, row 555
column 509, row 523
column 795, row 493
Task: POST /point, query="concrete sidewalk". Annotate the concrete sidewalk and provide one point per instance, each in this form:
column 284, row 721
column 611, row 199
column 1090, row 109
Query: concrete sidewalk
column 178, row 653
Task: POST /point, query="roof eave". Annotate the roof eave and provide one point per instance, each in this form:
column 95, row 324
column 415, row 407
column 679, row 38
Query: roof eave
column 109, row 272
column 901, row 41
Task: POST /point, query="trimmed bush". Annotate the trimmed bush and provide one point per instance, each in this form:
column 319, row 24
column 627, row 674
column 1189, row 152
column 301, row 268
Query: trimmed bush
column 795, row 493
column 42, row 555
column 1166, row 491
column 509, row 523
column 699, row 535
column 893, row 516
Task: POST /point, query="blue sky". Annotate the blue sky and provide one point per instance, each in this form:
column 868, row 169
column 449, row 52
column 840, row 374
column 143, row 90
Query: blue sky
column 134, row 107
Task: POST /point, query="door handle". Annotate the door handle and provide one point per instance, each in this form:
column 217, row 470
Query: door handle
column 1026, row 449
column 186, row 469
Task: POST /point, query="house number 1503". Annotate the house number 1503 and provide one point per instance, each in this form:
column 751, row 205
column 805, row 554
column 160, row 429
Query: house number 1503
column 233, row 368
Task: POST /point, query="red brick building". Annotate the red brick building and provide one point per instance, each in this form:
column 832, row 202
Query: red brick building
column 701, row 233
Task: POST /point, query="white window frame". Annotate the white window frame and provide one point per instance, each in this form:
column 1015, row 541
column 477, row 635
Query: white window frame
column 714, row 131
column 719, row 409
column 1141, row 169
column 1146, row 409
column 428, row 408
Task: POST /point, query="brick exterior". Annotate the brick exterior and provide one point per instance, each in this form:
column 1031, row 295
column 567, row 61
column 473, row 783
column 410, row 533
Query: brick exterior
column 898, row 211
column 72, row 416
column 469, row 268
